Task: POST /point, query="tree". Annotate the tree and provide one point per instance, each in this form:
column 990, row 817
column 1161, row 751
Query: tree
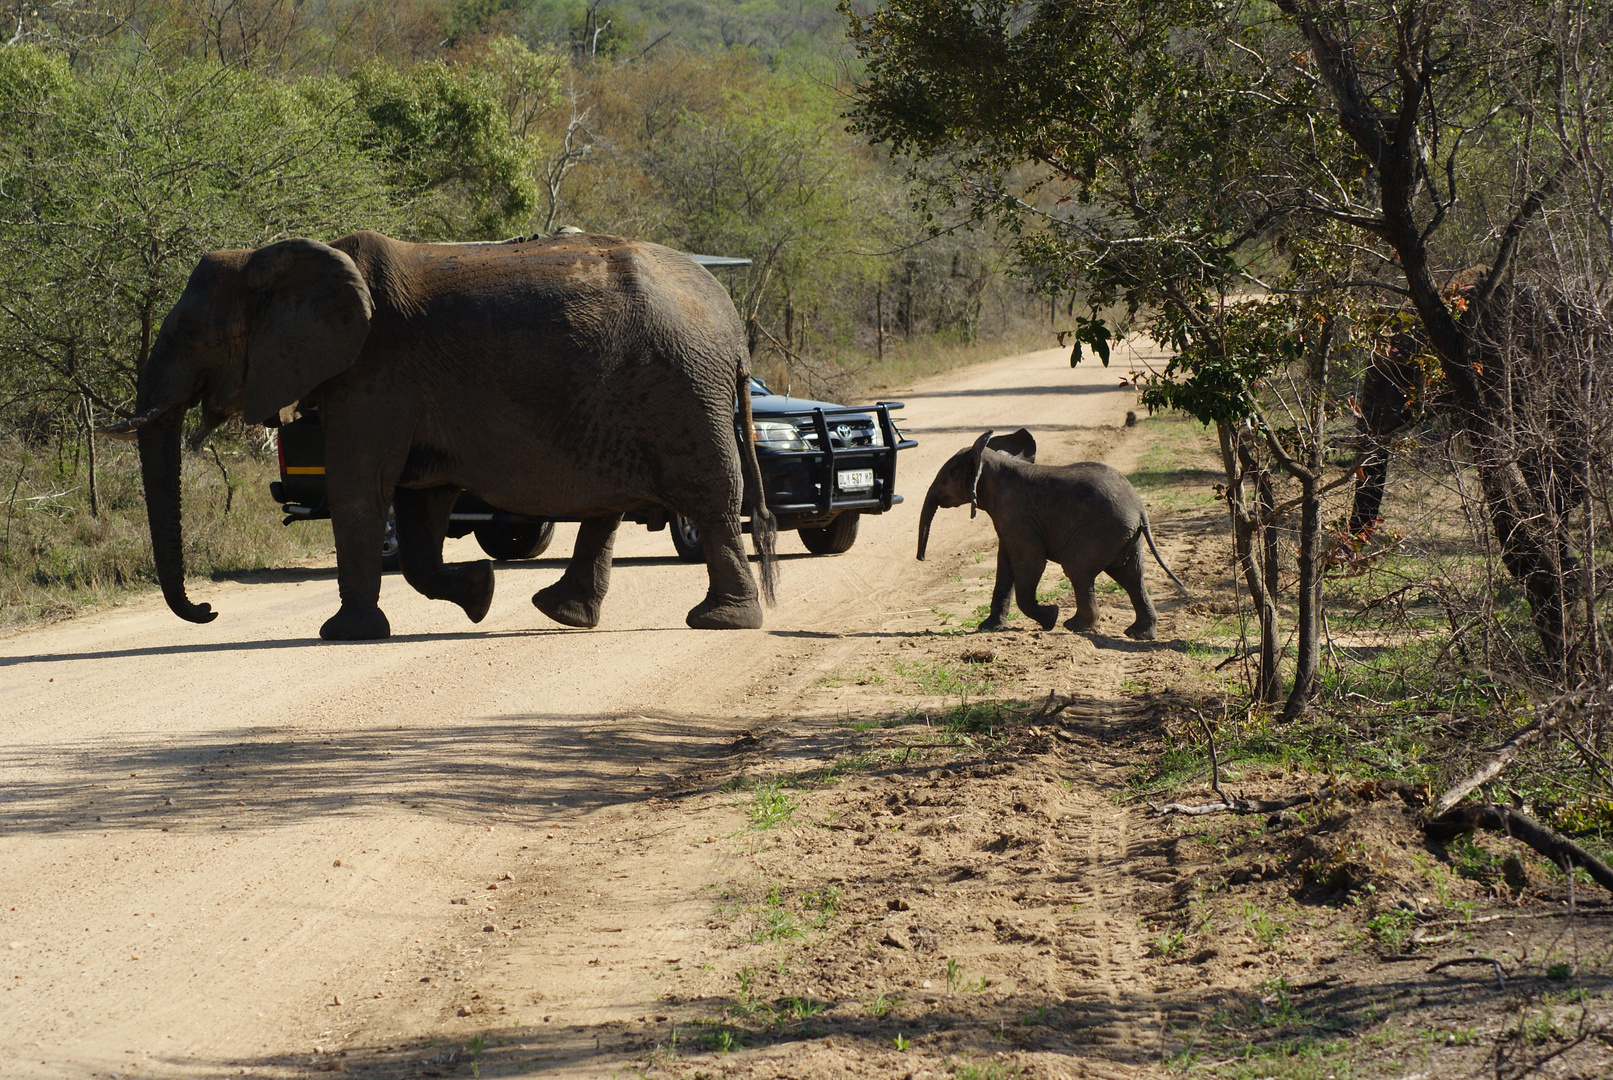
column 1178, row 158
column 114, row 185
column 445, row 139
column 1115, row 148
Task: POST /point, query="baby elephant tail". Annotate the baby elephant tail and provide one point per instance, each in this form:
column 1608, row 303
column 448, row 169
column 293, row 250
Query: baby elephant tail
column 1149, row 535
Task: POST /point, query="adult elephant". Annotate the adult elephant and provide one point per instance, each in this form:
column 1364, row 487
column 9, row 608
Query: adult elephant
column 568, row 376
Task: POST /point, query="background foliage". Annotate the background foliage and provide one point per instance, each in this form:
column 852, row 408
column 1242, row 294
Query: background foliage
column 136, row 135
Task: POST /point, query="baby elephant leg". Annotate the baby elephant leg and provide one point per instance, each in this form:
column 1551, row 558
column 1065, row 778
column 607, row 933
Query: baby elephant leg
column 1028, row 575
column 1086, row 601
column 1001, row 592
column 1128, row 572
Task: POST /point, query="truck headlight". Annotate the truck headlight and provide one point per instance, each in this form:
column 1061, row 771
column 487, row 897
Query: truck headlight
column 777, row 435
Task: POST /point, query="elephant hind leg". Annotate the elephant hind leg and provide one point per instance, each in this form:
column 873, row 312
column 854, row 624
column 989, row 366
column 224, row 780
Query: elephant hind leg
column 1127, row 571
column 577, row 598
column 731, row 601
column 422, row 523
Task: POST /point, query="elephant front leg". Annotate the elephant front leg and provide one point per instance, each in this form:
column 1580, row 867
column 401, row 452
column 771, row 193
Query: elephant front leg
column 1001, row 592
column 422, row 523
column 359, row 522
column 576, row 599
column 1027, row 576
column 731, row 601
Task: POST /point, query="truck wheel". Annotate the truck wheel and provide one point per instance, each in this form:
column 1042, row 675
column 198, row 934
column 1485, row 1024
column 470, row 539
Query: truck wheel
column 686, row 539
column 835, row 537
column 511, row 542
column 389, row 544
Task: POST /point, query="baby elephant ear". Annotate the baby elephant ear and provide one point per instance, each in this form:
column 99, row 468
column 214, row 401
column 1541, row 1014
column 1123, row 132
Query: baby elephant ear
column 1020, row 443
column 977, row 455
column 311, row 311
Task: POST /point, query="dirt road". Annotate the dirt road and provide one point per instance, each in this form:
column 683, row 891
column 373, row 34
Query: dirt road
column 233, row 847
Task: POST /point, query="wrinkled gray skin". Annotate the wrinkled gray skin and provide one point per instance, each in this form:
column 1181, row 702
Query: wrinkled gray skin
column 1085, row 517
column 568, row 376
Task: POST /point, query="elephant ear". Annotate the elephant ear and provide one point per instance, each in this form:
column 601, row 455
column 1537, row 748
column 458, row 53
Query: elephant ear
column 977, row 457
column 1021, row 444
column 311, row 315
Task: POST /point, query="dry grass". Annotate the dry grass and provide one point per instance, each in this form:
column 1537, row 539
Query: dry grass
column 58, row 560
column 852, row 377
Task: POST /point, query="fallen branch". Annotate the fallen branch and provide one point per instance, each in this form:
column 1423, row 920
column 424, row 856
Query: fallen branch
column 1479, row 920
column 1515, row 823
column 1500, row 978
column 1235, row 806
column 1501, row 759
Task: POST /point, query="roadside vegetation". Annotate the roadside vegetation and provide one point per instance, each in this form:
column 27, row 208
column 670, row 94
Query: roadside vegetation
column 136, row 136
column 1375, row 246
column 1004, row 864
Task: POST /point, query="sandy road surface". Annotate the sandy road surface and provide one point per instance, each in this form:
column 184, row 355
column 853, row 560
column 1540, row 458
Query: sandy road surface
column 223, row 845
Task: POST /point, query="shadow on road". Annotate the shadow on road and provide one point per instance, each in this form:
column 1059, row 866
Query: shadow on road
column 519, row 769
column 1009, row 391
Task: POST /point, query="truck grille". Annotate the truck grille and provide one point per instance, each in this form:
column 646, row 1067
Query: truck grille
column 843, row 432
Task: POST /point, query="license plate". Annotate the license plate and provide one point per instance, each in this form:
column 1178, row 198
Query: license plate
column 856, row 479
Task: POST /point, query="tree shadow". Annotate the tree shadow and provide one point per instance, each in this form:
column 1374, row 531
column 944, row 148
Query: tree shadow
column 973, row 431
column 522, row 768
column 1011, row 391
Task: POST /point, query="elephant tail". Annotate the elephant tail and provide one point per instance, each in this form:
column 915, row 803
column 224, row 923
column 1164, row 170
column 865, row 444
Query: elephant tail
column 1148, row 534
column 763, row 526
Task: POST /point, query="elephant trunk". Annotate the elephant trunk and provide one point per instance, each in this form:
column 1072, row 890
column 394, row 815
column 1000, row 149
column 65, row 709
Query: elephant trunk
column 159, row 469
column 932, row 502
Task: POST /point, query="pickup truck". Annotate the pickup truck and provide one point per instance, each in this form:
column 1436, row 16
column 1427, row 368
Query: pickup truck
column 823, row 467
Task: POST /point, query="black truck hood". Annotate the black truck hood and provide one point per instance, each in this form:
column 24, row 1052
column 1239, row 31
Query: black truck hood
column 772, row 404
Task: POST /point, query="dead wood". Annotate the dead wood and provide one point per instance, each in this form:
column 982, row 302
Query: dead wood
column 1235, row 806
column 1515, row 823
column 1502, row 758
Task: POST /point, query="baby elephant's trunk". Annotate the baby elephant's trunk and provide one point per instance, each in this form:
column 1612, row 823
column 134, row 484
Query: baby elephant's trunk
column 932, row 502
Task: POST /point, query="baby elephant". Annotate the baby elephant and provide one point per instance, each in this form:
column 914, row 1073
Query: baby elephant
column 1085, row 517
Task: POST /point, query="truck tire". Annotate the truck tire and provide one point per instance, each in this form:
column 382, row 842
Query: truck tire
column 835, row 537
column 510, row 542
column 686, row 539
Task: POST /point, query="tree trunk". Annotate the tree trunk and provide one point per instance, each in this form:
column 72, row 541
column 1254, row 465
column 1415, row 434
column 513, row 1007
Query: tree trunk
column 89, row 439
column 1309, row 658
column 1383, row 408
column 1243, row 541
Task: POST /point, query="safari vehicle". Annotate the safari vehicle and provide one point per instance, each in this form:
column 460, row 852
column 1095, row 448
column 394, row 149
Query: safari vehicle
column 823, row 467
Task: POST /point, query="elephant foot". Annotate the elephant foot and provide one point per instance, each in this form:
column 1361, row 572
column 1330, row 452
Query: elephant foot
column 562, row 604
column 1075, row 624
column 991, row 624
column 1139, row 631
column 473, row 588
column 1045, row 617
column 349, row 624
column 721, row 614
